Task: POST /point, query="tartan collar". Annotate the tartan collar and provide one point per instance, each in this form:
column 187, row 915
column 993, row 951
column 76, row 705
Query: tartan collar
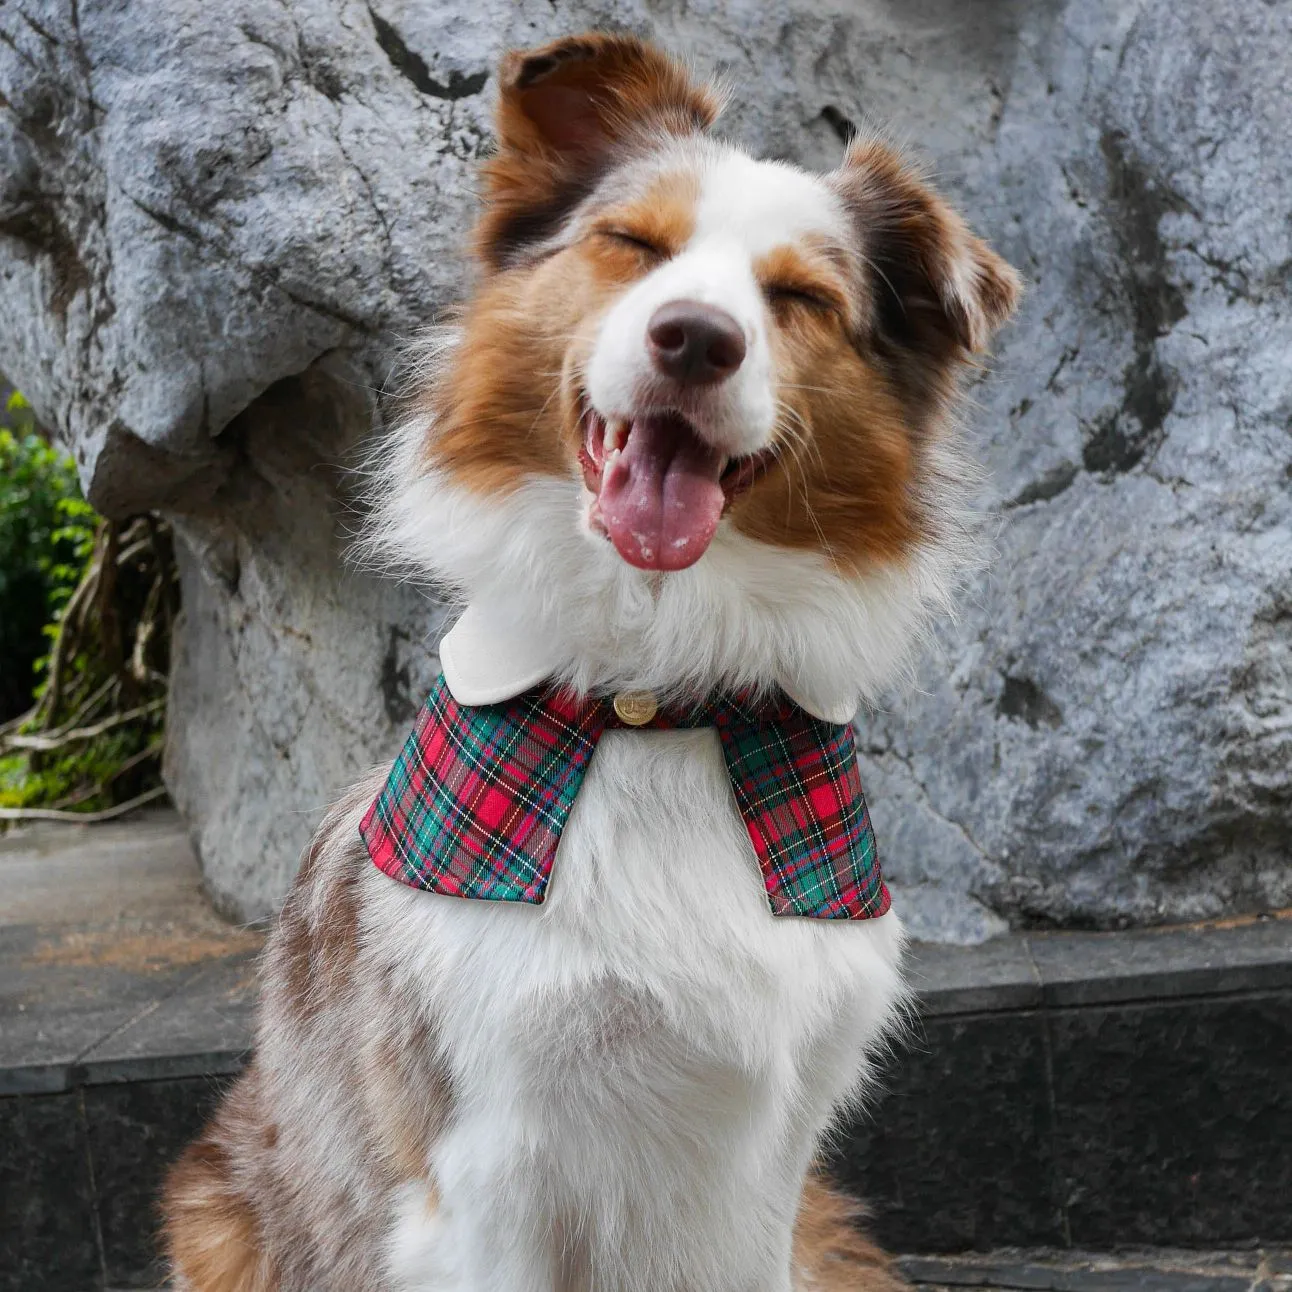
column 487, row 660
column 477, row 799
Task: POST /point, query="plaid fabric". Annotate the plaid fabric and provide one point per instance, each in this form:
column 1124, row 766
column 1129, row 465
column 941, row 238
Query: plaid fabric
column 477, row 799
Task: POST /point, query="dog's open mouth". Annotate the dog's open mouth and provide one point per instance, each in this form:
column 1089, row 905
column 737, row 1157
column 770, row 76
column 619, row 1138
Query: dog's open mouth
column 659, row 490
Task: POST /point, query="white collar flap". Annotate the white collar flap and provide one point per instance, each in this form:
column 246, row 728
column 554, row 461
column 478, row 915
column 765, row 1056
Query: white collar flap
column 485, row 663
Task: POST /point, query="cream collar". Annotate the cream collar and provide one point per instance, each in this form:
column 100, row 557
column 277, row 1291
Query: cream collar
column 485, row 664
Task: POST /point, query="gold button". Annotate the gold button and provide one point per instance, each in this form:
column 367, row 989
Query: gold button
column 636, row 708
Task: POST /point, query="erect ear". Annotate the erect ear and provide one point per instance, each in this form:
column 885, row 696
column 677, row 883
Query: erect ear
column 565, row 111
column 939, row 291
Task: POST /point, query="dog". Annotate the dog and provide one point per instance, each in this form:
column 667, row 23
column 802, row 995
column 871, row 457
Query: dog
column 689, row 448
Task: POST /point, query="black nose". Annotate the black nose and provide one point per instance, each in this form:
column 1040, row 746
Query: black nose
column 695, row 343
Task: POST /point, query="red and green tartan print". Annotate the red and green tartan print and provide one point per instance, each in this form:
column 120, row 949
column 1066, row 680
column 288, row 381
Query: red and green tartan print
column 478, row 797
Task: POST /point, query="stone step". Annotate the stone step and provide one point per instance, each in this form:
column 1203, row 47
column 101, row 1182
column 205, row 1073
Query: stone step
column 1145, row 1270
column 1142, row 1270
column 1063, row 1092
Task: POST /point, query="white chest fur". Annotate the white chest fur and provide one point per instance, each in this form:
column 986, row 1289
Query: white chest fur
column 645, row 1061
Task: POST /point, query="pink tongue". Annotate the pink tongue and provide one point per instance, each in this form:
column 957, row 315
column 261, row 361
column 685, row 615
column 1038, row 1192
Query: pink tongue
column 660, row 499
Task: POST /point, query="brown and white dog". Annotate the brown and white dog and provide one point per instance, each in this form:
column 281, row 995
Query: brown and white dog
column 693, row 432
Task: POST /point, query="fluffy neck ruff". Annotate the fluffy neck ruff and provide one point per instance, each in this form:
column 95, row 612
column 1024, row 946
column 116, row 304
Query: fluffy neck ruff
column 748, row 614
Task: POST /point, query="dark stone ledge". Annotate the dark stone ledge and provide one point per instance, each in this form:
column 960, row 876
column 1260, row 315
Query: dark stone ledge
column 1133, row 1270
column 1059, row 1091
column 1026, row 971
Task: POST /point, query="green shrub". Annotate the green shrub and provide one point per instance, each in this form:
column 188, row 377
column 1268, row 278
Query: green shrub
column 86, row 608
column 46, row 532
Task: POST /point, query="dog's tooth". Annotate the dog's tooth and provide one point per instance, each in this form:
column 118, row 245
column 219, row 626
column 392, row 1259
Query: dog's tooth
column 616, row 433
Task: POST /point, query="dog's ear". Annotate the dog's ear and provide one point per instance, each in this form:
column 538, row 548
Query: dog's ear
column 939, row 293
column 565, row 111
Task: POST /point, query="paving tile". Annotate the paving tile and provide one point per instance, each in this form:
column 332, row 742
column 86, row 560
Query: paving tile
column 100, row 928
column 53, row 1012
column 203, row 1028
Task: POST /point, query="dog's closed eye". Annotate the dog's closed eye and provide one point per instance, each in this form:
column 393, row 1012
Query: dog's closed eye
column 647, row 246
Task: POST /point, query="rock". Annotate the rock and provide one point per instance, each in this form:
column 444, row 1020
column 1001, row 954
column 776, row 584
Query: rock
column 1107, row 737
column 217, row 221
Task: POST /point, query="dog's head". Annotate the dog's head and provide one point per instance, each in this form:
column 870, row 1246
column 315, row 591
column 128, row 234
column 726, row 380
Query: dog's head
column 688, row 378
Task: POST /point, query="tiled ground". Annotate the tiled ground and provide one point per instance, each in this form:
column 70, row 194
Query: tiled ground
column 1061, row 1092
column 109, row 951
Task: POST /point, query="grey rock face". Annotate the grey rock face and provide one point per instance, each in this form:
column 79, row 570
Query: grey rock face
column 1108, row 735
column 216, row 222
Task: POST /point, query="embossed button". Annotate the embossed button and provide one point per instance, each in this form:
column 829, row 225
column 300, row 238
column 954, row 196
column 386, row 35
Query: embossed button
column 636, row 708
